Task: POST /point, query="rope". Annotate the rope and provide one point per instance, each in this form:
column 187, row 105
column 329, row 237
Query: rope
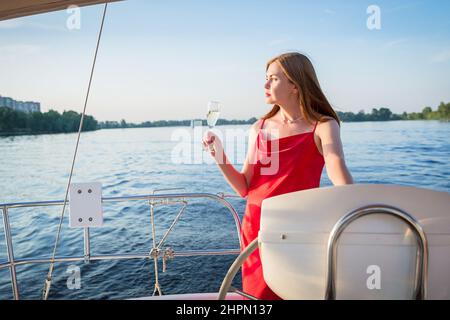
column 155, row 251
column 48, row 280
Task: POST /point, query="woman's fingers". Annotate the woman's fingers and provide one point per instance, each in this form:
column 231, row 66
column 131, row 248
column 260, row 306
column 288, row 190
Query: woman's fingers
column 211, row 142
column 209, row 138
column 206, row 142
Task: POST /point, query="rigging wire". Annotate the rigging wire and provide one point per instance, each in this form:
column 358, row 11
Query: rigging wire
column 48, row 280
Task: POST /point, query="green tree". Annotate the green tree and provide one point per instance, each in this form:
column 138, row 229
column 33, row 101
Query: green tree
column 444, row 111
column 54, row 121
column 384, row 114
column 427, row 113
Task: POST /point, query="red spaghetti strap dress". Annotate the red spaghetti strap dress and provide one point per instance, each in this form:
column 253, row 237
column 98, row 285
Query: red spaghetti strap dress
column 300, row 166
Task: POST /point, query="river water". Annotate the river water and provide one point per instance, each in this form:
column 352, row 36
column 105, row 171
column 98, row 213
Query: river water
column 139, row 161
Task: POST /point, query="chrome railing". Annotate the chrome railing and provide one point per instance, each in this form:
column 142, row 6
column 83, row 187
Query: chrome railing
column 156, row 252
column 421, row 273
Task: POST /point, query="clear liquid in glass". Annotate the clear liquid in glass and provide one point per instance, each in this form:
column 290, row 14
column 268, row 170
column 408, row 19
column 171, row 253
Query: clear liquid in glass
column 212, row 116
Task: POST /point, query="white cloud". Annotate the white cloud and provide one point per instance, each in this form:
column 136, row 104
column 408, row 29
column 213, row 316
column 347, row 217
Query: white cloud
column 19, row 23
column 405, row 6
column 15, row 49
column 42, row 26
column 281, row 40
column 11, row 24
column 396, row 42
column 442, row 56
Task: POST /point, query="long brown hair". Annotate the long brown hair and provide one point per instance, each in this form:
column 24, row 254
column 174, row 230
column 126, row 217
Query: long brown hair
column 300, row 72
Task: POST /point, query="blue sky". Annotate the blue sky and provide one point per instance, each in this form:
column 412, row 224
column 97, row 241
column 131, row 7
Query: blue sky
column 164, row 59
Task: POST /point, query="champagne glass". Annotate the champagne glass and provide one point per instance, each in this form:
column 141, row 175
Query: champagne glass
column 212, row 116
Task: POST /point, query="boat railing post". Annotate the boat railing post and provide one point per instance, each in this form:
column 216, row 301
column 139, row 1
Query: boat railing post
column 10, row 252
column 87, row 246
column 420, row 287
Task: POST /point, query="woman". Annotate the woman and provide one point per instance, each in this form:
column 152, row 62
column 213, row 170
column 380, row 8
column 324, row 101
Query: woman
column 288, row 148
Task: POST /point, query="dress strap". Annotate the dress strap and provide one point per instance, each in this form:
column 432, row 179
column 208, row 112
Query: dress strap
column 262, row 124
column 258, row 137
column 315, row 126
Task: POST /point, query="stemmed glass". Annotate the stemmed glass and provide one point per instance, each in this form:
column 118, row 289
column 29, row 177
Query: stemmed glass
column 212, row 116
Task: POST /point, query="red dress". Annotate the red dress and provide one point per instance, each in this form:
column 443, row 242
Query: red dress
column 300, row 167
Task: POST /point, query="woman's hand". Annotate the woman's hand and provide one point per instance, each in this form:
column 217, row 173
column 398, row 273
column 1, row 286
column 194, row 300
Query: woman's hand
column 234, row 178
column 212, row 143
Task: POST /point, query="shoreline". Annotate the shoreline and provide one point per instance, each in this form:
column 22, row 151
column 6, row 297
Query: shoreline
column 12, row 134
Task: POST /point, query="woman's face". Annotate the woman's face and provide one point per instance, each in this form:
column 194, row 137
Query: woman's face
column 278, row 89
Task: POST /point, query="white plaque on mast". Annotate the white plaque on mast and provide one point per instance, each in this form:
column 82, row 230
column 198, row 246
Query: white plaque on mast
column 85, row 205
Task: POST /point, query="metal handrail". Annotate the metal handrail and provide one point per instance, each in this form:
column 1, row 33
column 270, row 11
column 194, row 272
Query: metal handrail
column 164, row 199
column 10, row 251
column 233, row 270
column 420, row 288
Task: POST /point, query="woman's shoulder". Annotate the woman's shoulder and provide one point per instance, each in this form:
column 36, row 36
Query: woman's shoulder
column 327, row 125
column 325, row 119
column 255, row 126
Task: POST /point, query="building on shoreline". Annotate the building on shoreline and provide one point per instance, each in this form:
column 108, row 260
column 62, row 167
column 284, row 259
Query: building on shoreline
column 24, row 106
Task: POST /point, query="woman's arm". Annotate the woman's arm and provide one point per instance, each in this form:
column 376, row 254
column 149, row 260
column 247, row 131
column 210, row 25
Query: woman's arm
column 239, row 181
column 333, row 154
column 234, row 178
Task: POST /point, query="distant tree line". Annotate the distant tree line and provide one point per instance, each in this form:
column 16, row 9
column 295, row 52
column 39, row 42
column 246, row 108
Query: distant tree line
column 167, row 123
column 384, row 114
column 381, row 114
column 17, row 122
